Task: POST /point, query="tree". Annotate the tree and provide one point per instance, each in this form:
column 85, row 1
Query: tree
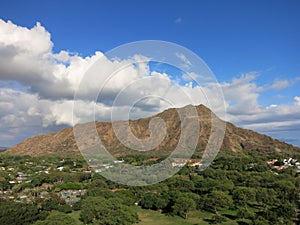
column 101, row 211
column 183, row 205
column 216, row 200
column 126, row 196
column 245, row 213
column 286, row 190
column 218, row 219
column 4, row 178
column 181, row 184
column 266, row 196
column 154, row 201
column 162, row 202
column 76, row 206
column 98, row 183
column 54, row 203
column 207, row 185
column 71, row 186
column 57, row 218
column 260, row 221
column 14, row 213
column 94, row 192
column 65, row 208
column 148, row 201
column 286, row 210
column 244, row 195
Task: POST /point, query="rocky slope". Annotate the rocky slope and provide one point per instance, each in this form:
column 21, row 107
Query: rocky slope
column 235, row 139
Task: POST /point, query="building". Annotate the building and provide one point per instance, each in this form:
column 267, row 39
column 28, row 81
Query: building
column 180, row 162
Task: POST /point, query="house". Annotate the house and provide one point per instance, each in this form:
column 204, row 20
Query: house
column 297, row 164
column 28, row 164
column 107, row 166
column 180, row 162
column 271, row 162
column 289, row 162
column 60, row 168
column 98, row 170
column 22, row 197
column 280, row 167
column 72, row 196
column 194, row 162
column 21, row 177
column 86, row 171
column 153, row 159
column 44, row 194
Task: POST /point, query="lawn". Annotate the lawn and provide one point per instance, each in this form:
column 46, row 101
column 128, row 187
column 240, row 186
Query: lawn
column 150, row 217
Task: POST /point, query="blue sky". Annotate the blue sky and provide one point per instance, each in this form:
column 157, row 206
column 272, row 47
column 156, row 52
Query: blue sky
column 255, row 42
column 233, row 37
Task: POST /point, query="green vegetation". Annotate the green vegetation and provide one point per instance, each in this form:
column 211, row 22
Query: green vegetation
column 98, row 210
column 57, row 218
column 236, row 189
column 19, row 213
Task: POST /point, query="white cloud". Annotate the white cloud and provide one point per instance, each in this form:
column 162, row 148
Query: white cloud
column 34, row 41
column 46, row 83
column 271, row 106
column 62, row 56
column 186, row 62
column 297, row 100
column 243, row 108
column 190, row 76
column 242, row 94
column 41, row 97
column 280, row 84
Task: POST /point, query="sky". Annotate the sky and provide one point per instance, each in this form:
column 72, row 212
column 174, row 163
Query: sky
column 46, row 47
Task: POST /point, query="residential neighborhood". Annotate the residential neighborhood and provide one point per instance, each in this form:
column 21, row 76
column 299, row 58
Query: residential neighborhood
column 30, row 180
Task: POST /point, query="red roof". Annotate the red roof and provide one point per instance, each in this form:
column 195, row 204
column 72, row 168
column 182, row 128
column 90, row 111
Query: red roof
column 153, row 159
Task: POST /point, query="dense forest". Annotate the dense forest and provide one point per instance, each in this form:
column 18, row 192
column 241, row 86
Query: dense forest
column 238, row 188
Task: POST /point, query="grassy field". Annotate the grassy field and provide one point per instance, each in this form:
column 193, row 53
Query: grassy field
column 150, row 217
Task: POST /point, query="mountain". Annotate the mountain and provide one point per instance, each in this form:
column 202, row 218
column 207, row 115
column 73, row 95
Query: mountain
column 235, row 139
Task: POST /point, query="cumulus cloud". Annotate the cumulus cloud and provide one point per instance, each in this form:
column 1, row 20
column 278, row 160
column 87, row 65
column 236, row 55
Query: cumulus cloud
column 37, row 88
column 243, row 108
column 297, row 100
column 38, row 85
column 35, row 41
column 242, row 94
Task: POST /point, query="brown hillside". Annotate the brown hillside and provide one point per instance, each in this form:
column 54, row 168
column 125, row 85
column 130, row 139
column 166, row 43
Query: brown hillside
column 236, row 139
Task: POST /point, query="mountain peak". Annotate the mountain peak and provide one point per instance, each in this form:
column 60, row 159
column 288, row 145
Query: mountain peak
column 235, row 139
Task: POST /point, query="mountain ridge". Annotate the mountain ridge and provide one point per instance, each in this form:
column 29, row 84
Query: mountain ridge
column 235, row 138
